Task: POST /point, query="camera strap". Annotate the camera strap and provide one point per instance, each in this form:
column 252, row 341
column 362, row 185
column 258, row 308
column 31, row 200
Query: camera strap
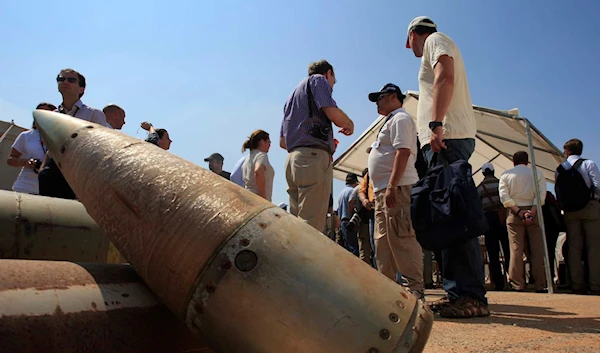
column 310, row 98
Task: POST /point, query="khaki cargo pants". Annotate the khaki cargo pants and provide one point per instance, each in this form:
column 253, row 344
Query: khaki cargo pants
column 396, row 245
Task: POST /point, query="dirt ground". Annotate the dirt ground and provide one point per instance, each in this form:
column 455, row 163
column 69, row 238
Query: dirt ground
column 522, row 322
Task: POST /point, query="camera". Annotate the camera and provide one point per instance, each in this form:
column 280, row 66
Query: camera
column 354, row 222
column 36, row 165
column 320, row 131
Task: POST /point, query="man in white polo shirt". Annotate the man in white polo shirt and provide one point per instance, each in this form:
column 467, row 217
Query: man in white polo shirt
column 392, row 170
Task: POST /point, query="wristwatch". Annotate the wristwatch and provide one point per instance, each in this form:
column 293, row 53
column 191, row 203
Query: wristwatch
column 434, row 124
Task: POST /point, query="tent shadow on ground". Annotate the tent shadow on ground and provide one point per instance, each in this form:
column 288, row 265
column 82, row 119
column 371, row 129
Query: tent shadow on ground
column 540, row 318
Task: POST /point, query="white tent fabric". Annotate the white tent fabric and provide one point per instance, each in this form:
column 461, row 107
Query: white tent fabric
column 499, row 135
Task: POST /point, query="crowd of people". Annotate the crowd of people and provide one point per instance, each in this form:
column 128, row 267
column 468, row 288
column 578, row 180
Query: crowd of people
column 374, row 212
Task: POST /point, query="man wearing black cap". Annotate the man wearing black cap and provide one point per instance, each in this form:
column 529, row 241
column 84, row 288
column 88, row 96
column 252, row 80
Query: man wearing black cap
column 447, row 128
column 348, row 229
column 392, row 170
column 215, row 164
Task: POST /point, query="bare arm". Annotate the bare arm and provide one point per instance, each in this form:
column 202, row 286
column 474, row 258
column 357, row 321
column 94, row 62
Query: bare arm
column 443, row 87
column 400, row 161
column 14, row 160
column 259, row 175
column 340, row 119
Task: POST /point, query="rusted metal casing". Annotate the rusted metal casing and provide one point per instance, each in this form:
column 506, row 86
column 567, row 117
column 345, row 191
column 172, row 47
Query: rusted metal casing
column 57, row 306
column 43, row 228
column 237, row 269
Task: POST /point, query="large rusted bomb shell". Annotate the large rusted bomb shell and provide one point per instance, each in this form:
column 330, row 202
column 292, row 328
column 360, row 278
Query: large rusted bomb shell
column 237, row 269
column 58, row 306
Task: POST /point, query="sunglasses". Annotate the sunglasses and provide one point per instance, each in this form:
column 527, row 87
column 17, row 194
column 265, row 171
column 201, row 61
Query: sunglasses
column 68, row 79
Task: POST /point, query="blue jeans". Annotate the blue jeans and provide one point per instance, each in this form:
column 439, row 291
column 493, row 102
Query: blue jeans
column 350, row 238
column 462, row 265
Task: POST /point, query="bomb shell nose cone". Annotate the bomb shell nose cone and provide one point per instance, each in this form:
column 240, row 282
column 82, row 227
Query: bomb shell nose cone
column 56, row 128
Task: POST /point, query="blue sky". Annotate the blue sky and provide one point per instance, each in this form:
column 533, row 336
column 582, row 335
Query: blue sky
column 211, row 73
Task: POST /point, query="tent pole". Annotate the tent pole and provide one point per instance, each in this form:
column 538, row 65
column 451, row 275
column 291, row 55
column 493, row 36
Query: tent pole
column 538, row 197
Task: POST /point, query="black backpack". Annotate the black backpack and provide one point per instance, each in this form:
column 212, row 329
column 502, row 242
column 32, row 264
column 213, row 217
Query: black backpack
column 445, row 207
column 571, row 191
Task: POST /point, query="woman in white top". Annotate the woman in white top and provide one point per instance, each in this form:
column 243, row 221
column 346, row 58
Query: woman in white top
column 257, row 171
column 28, row 153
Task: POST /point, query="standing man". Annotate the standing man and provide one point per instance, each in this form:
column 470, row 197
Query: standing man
column 215, row 164
column 367, row 200
column 517, row 193
column 71, row 85
column 365, row 249
column 115, row 116
column 446, row 124
column 307, row 134
column 346, row 211
column 392, row 170
column 579, row 195
column 496, row 218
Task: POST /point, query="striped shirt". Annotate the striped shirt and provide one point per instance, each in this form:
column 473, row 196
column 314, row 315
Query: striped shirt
column 297, row 125
column 488, row 192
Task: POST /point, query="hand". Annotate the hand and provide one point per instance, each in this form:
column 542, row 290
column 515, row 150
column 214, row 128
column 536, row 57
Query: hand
column 366, row 204
column 347, row 131
column 145, row 125
column 437, row 139
column 391, row 198
column 528, row 217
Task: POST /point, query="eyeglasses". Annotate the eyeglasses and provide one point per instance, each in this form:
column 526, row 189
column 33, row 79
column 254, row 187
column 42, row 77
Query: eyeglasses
column 68, row 79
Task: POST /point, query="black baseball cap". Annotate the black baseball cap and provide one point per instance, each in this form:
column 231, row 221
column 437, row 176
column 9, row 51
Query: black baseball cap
column 388, row 88
column 214, row 156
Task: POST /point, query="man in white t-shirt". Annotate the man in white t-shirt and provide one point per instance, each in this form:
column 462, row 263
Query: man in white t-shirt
column 447, row 129
column 392, row 170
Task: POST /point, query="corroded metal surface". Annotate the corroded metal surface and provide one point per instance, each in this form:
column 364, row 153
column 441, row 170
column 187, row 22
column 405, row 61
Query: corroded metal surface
column 279, row 283
column 232, row 265
column 166, row 215
column 42, row 228
column 67, row 307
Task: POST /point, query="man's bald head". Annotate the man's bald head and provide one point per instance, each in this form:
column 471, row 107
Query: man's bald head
column 115, row 116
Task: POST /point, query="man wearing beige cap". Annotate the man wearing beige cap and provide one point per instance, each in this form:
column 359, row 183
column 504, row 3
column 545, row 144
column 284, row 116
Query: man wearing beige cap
column 446, row 127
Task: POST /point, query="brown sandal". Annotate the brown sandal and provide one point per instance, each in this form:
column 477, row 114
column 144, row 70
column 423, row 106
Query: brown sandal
column 465, row 307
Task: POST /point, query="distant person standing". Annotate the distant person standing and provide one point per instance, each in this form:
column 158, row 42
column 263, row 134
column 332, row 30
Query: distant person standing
column 115, row 116
column 158, row 137
column 447, row 127
column 496, row 218
column 578, row 190
column 349, row 230
column 517, row 193
column 257, row 171
column 27, row 153
column 236, row 174
column 307, row 134
column 215, row 164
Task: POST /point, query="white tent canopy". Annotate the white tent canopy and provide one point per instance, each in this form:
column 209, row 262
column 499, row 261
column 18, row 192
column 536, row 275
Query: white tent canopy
column 500, row 134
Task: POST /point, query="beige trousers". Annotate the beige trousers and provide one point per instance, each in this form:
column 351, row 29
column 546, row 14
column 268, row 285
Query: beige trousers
column 396, row 245
column 309, row 174
column 517, row 230
column 583, row 228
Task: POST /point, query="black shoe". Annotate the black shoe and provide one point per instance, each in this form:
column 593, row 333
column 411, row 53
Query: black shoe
column 541, row 291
